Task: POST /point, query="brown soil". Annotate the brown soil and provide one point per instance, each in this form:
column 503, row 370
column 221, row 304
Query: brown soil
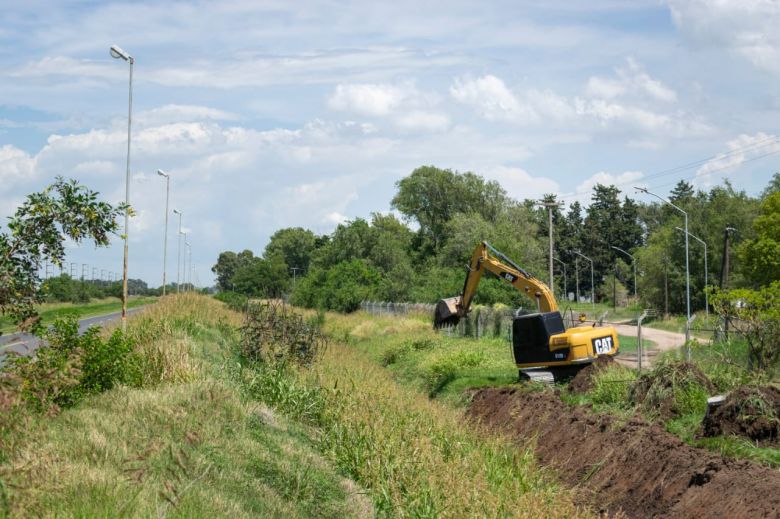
column 655, row 391
column 583, row 381
column 635, row 467
column 749, row 411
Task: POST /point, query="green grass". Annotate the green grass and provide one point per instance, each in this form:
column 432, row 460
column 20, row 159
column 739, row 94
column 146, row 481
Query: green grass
column 51, row 311
column 628, row 344
column 688, row 427
column 192, row 443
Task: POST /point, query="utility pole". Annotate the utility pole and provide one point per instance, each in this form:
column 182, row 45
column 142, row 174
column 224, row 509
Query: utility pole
column 666, row 287
column 549, row 205
column 178, row 258
column 167, row 178
column 565, row 280
column 577, row 279
column 614, row 287
column 294, row 270
column 725, row 265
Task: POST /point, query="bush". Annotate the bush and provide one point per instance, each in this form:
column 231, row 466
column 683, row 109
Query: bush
column 672, row 389
column 70, row 366
column 233, row 300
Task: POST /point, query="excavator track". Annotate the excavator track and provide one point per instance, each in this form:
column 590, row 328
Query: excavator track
column 550, row 375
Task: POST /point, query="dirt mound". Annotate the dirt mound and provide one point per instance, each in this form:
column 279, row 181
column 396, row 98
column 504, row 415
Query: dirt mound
column 749, row 411
column 672, row 389
column 635, row 467
column 583, row 381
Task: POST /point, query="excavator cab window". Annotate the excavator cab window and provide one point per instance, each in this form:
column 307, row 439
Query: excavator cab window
column 531, row 337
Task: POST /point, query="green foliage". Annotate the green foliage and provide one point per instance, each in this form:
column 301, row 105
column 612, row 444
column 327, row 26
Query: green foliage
column 762, row 254
column 340, row 288
column 611, row 385
column 755, row 314
column 36, row 234
column 432, row 197
column 70, row 366
column 294, row 245
column 261, row 277
column 234, row 300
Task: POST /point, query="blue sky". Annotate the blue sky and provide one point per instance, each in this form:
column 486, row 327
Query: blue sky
column 273, row 114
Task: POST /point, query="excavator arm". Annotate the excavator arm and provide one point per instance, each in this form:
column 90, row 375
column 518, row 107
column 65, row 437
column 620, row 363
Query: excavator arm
column 450, row 310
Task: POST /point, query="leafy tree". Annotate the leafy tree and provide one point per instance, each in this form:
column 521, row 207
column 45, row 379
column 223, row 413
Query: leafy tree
column 294, row 244
column 432, row 197
column 761, row 255
column 227, row 264
column 682, row 193
column 260, row 277
column 36, row 234
column 756, row 315
column 772, row 187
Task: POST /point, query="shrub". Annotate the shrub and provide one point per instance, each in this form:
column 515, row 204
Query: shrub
column 233, row 300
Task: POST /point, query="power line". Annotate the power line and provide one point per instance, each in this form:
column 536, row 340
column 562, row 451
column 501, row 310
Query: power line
column 755, row 146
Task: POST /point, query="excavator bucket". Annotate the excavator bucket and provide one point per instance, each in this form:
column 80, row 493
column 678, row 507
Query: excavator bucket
column 446, row 313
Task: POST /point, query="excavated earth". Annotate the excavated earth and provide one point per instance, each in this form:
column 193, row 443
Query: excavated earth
column 749, row 411
column 635, row 467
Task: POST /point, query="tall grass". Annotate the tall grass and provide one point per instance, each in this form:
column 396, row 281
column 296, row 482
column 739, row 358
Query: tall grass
column 416, row 456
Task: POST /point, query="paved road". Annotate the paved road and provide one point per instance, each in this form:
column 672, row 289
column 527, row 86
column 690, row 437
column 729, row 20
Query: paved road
column 25, row 344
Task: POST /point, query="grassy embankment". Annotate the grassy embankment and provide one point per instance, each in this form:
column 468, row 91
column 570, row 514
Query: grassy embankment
column 51, row 311
column 198, row 440
column 189, row 443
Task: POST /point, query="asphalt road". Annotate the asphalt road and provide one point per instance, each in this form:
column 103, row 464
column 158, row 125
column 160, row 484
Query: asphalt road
column 26, row 344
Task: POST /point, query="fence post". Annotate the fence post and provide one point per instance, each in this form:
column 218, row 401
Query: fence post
column 688, row 337
column 639, row 349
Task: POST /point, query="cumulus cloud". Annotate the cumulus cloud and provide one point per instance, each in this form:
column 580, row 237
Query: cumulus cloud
column 629, row 80
column 624, row 181
column 16, row 166
column 368, row 99
column 738, row 151
column 492, row 98
column 747, row 28
column 520, row 184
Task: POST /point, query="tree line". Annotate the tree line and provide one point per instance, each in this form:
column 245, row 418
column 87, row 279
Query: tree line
column 421, row 255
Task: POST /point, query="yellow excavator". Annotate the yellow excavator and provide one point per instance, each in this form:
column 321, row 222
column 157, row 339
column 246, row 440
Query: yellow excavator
column 544, row 350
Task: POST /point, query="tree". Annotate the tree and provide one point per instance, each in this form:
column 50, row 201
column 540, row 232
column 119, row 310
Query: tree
column 261, row 277
column 36, row 234
column 756, row 315
column 294, row 244
column 227, row 264
column 432, row 197
column 761, row 255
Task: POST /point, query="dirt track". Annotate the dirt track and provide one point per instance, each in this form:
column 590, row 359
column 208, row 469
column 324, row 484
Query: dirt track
column 637, row 468
column 663, row 340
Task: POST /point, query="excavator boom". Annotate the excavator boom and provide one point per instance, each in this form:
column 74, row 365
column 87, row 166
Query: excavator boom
column 450, row 310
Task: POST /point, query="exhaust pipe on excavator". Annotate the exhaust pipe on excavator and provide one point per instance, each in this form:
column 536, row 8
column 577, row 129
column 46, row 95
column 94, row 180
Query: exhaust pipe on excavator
column 446, row 313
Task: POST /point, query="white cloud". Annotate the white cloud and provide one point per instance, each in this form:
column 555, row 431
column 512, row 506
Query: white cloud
column 16, row 166
column 747, row 28
column 368, row 99
column 419, row 120
column 631, row 81
column 743, row 148
column 520, row 184
column 492, row 98
column 174, row 113
column 623, row 181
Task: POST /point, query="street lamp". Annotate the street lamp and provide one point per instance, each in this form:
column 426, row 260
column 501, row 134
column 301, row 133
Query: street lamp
column 186, row 271
column 633, row 263
column 687, row 269
column 592, row 284
column 165, row 240
column 178, row 257
column 706, row 275
column 184, row 260
column 118, row 53
column 565, row 279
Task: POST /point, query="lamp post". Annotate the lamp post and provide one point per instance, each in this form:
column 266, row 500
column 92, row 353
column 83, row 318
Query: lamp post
column 633, row 263
column 687, row 270
column 178, row 256
column 118, row 53
column 188, row 271
column 565, row 279
column 592, row 285
column 706, row 273
column 184, row 260
column 165, row 239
